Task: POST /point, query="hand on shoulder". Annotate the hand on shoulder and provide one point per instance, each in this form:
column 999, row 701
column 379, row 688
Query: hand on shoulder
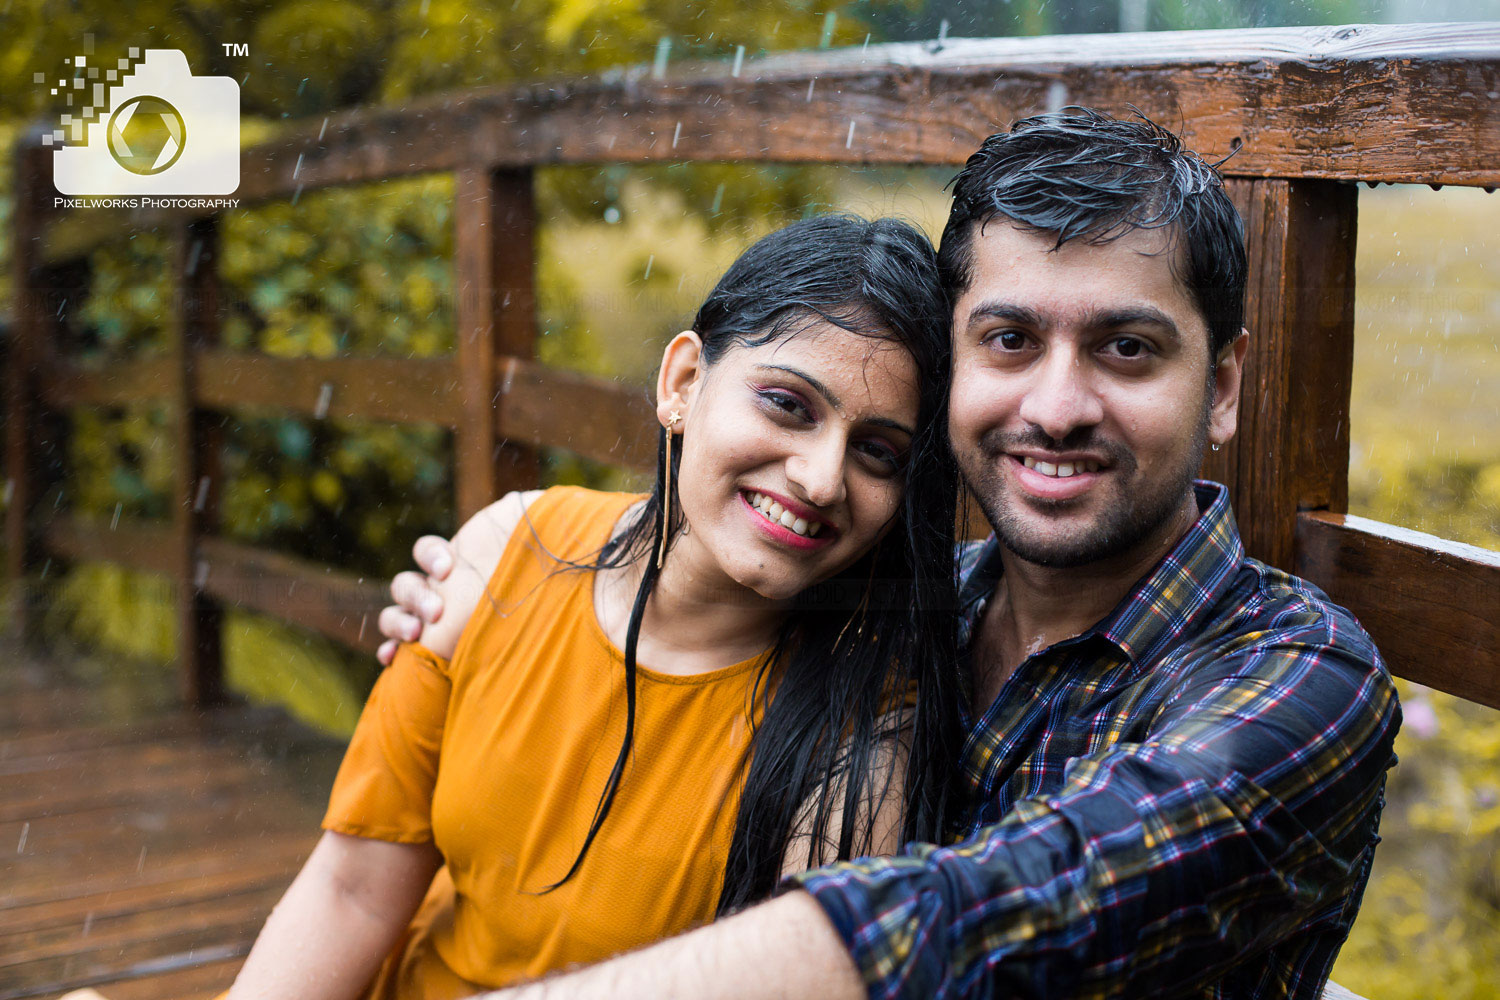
column 434, row 608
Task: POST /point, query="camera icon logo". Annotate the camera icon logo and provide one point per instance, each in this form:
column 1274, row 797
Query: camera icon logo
column 169, row 132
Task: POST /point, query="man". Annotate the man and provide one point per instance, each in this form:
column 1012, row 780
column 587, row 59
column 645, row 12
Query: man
column 1179, row 763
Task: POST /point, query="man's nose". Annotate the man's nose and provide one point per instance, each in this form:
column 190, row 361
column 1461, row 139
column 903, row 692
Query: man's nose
column 1062, row 397
column 817, row 470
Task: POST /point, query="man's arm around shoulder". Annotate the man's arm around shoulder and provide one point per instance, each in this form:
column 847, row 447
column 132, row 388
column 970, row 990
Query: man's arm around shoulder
column 780, row 949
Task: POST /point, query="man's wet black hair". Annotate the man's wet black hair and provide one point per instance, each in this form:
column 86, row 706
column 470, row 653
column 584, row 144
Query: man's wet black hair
column 1080, row 174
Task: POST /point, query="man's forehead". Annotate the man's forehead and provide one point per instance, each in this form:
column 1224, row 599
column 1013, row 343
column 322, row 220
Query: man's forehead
column 1023, row 267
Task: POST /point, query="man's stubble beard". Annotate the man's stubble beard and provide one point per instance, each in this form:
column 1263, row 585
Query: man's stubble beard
column 1126, row 523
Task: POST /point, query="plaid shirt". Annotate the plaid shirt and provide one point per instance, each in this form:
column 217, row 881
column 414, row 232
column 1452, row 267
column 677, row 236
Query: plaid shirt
column 1180, row 801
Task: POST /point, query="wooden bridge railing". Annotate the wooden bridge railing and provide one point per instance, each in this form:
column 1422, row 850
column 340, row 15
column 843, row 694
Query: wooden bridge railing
column 1309, row 112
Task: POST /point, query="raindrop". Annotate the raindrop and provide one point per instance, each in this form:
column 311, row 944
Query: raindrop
column 325, row 396
column 713, row 210
column 849, row 142
column 611, row 215
column 830, row 19
column 202, row 497
column 676, row 134
column 114, row 522
column 649, row 262
column 942, row 32
column 1057, row 95
column 25, row 829
column 298, row 168
column 810, row 87
column 663, row 50
column 739, row 59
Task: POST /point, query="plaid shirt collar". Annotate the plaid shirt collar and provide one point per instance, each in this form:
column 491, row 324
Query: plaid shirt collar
column 1164, row 605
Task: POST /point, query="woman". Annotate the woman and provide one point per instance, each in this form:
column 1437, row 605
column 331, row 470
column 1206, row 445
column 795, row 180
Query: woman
column 524, row 792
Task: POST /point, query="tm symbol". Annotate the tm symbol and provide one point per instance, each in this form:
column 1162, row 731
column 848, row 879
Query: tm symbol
column 236, row 48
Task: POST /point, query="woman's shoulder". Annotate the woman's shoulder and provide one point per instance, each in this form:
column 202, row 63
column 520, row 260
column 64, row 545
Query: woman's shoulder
column 564, row 519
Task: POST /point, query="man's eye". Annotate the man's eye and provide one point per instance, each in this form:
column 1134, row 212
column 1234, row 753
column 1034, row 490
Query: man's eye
column 1009, row 340
column 1128, row 347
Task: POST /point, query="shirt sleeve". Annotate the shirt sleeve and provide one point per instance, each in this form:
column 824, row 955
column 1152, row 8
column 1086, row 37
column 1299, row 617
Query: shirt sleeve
column 1245, row 809
column 384, row 786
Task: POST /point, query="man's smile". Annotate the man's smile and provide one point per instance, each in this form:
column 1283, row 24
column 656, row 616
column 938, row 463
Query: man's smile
column 1063, row 479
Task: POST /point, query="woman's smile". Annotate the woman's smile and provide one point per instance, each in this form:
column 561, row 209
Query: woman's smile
column 787, row 523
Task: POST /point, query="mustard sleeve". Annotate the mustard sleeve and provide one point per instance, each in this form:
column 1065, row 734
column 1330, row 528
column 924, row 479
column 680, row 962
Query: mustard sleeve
column 384, row 786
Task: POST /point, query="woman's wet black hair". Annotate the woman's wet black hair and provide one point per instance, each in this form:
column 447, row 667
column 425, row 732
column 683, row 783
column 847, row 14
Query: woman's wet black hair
column 1080, row 174
column 864, row 672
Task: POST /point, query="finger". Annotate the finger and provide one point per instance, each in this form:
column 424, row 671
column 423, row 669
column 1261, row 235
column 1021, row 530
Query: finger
column 412, row 594
column 386, row 653
column 435, row 555
column 396, row 623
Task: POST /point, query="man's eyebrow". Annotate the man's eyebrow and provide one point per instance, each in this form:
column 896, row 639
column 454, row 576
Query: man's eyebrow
column 1110, row 319
column 1007, row 311
column 833, row 400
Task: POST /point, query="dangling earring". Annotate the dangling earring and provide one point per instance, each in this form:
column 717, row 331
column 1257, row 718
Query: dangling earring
column 673, row 419
column 864, row 604
column 1214, row 446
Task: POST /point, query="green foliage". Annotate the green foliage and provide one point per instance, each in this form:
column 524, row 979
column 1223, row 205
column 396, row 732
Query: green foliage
column 119, row 463
column 359, row 270
column 132, row 615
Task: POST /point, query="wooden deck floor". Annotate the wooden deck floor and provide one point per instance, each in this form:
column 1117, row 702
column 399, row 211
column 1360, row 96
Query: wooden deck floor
column 141, row 846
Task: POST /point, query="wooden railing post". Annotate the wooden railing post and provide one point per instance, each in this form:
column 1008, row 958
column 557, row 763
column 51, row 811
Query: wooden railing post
column 1292, row 450
column 494, row 260
column 195, row 482
column 26, row 328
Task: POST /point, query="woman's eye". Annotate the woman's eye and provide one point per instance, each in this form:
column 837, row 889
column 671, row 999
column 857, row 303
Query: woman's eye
column 785, row 402
column 881, row 452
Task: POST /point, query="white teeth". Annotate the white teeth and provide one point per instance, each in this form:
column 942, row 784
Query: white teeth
column 778, row 514
column 1061, row 470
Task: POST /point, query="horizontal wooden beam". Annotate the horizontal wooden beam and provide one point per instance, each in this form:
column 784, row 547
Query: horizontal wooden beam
column 594, row 417
column 336, row 604
column 1405, row 103
column 1432, row 606
column 398, row 389
column 1392, row 103
column 139, row 545
column 121, row 384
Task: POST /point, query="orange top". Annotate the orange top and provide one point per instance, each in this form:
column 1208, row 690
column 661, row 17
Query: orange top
column 499, row 758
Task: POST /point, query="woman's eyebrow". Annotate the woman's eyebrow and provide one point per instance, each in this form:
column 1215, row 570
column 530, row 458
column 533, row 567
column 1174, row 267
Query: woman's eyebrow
column 833, row 400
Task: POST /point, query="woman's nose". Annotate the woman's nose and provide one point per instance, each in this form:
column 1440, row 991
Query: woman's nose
column 817, row 471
